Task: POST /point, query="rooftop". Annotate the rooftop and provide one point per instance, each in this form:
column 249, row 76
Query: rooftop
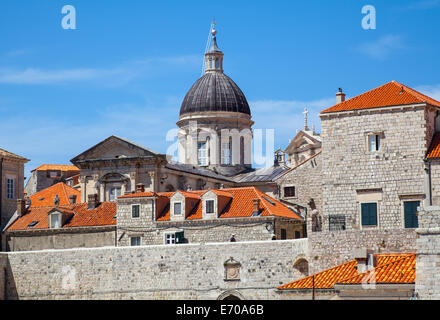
column 390, row 94
column 46, row 197
column 61, row 167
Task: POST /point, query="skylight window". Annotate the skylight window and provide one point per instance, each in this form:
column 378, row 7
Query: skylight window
column 270, row 201
column 32, row 224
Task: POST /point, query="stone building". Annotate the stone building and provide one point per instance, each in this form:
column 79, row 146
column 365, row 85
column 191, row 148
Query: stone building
column 201, row 216
column 54, row 218
column 11, row 183
column 389, row 276
column 373, row 152
column 47, row 175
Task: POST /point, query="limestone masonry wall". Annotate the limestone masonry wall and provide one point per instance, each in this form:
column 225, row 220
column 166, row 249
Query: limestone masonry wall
column 428, row 254
column 188, row 271
column 328, row 249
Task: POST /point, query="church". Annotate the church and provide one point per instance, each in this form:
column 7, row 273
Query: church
column 214, row 147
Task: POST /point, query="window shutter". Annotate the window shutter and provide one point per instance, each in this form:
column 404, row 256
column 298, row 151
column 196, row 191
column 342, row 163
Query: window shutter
column 369, row 214
column 180, row 238
column 410, row 214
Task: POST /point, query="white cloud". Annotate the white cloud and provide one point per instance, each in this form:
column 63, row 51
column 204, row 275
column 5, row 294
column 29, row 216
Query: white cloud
column 432, row 91
column 383, row 47
column 109, row 76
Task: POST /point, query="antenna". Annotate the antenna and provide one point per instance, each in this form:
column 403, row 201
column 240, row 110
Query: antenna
column 208, row 43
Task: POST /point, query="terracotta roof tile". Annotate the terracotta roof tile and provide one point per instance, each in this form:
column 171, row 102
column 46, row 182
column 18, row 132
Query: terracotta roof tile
column 62, row 167
column 241, row 205
column 46, row 197
column 434, row 148
column 389, row 94
column 388, row 270
column 103, row 215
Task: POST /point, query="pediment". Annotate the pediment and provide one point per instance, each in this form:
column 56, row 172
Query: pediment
column 301, row 139
column 114, row 148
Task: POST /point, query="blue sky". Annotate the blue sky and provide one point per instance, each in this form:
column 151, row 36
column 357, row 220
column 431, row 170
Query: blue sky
column 128, row 65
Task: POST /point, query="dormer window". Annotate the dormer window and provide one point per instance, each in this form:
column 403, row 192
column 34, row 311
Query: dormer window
column 55, row 220
column 177, row 208
column 209, row 206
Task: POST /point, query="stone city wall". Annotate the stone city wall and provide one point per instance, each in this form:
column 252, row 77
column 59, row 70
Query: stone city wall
column 187, row 271
column 428, row 254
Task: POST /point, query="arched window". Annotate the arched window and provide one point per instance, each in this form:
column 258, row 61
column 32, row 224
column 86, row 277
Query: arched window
column 217, row 63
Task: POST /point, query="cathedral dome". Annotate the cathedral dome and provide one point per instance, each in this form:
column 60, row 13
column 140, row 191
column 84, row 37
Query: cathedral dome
column 215, row 91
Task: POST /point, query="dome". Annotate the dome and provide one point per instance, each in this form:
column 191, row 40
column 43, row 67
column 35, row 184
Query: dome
column 215, row 91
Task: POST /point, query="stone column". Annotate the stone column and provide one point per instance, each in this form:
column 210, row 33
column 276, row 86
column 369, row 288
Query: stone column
column 152, row 175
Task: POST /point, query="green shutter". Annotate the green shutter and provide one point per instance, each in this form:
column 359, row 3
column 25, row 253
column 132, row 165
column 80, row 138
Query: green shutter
column 180, row 238
column 369, row 214
column 410, row 214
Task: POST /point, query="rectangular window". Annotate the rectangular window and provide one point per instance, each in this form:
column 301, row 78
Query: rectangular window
column 369, row 214
column 54, row 174
column 374, row 142
column 177, row 208
column 297, row 234
column 410, row 214
column 114, row 193
column 170, row 238
column 289, row 191
column 135, row 241
column 226, row 153
column 202, row 154
column 209, row 206
column 135, row 211
column 10, row 189
column 336, row 222
column 55, row 221
column 283, row 234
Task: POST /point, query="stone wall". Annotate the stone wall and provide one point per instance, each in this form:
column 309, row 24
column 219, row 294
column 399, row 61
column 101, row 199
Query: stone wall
column 331, row 248
column 3, row 266
column 395, row 172
column 12, row 170
column 428, row 254
column 188, row 271
column 61, row 239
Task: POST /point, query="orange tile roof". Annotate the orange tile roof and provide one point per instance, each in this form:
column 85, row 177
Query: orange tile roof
column 389, row 94
column 401, row 269
column 434, row 148
column 45, row 197
column 241, row 204
column 62, row 167
column 103, row 215
column 388, row 266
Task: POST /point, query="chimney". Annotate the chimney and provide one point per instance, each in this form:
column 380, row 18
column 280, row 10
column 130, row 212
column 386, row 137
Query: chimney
column 72, row 199
column 256, row 211
column 340, row 96
column 21, row 207
column 364, row 259
column 140, row 188
column 92, row 200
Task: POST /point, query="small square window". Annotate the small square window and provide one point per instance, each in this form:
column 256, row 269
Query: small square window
column 135, row 241
column 170, row 238
column 209, row 206
column 289, row 191
column 135, row 211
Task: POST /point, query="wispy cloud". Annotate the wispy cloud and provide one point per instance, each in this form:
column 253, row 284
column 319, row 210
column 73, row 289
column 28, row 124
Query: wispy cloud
column 383, row 47
column 286, row 116
column 432, row 91
column 108, row 76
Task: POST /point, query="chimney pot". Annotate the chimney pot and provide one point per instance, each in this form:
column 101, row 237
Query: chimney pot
column 256, row 206
column 92, row 201
column 340, row 96
column 364, row 259
column 72, row 199
column 140, row 187
column 21, row 207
